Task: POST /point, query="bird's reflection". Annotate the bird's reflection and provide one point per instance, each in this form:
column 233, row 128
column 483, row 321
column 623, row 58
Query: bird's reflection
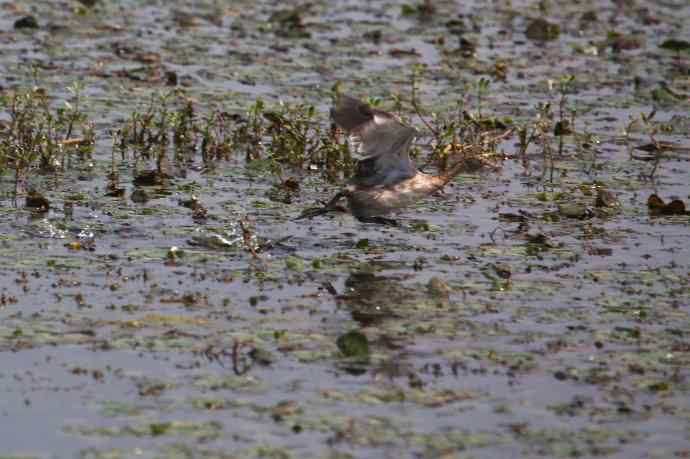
column 371, row 298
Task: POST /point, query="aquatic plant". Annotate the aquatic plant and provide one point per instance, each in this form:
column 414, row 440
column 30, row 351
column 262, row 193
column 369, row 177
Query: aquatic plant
column 38, row 136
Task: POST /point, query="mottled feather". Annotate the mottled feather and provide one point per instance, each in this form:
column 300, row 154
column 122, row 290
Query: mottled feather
column 380, row 143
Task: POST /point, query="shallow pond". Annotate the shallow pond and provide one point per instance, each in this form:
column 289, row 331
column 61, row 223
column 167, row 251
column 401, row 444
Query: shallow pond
column 508, row 317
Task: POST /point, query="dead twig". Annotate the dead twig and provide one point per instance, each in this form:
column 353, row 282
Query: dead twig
column 74, row 141
column 247, row 238
column 238, row 363
column 435, row 131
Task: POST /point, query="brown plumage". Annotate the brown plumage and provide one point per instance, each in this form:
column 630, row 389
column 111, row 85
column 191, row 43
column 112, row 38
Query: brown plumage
column 386, row 179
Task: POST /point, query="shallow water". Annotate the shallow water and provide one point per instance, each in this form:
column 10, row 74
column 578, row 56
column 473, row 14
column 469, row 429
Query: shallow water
column 121, row 352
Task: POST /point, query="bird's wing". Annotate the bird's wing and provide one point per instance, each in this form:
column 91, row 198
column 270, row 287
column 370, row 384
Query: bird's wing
column 380, row 141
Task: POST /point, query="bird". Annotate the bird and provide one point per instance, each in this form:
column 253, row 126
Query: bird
column 385, row 179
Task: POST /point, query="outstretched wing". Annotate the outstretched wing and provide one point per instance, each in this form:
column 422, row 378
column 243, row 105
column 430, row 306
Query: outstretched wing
column 380, row 142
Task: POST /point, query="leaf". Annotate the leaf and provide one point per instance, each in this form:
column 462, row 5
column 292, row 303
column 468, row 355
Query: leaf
column 354, row 344
column 362, row 244
column 542, row 30
column 675, row 45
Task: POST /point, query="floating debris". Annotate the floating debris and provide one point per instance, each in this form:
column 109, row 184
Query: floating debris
column 657, row 206
column 27, row 22
column 199, row 212
column 36, row 201
column 140, row 196
column 288, row 23
column 82, row 244
column 542, row 30
column 89, row 3
column 354, row 344
column 438, row 287
column 212, row 240
column 606, row 199
column 174, row 253
column 661, row 146
column 115, row 192
column 573, row 210
column 151, row 178
column 677, row 46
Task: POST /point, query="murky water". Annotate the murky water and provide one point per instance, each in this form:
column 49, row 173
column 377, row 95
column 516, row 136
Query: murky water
column 569, row 339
